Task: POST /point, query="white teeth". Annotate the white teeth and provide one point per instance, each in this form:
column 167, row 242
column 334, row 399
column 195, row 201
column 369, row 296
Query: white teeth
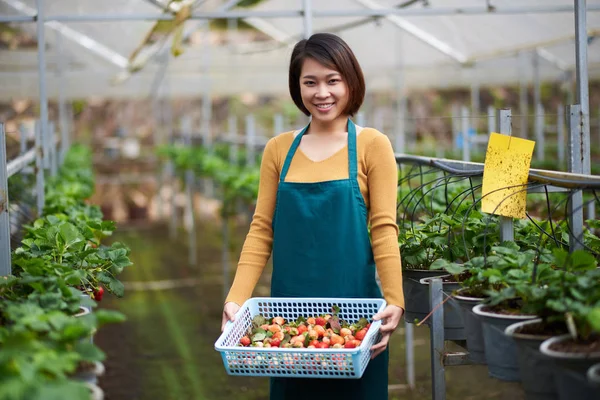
column 324, row 106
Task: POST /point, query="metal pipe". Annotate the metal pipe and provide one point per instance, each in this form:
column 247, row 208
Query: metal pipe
column 410, row 354
column 540, row 146
column 41, row 49
column 560, row 133
column 232, row 139
column 39, row 169
column 250, row 140
column 380, row 12
column 20, row 163
column 5, row 254
column 62, row 107
column 307, row 18
column 473, row 169
column 581, row 49
column 53, row 155
column 507, row 231
column 581, row 67
column 466, row 148
column 523, row 96
column 575, row 166
column 436, row 332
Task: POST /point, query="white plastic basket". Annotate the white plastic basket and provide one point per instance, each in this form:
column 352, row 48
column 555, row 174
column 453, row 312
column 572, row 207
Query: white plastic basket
column 294, row 362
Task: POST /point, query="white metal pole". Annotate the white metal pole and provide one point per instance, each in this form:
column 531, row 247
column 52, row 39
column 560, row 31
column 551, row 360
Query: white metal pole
column 581, row 50
column 39, row 168
column 466, row 147
column 5, row 257
column 560, row 133
column 233, row 138
column 507, row 232
column 62, row 107
column 307, row 18
column 540, row 146
column 41, row 48
column 523, row 96
column 250, row 140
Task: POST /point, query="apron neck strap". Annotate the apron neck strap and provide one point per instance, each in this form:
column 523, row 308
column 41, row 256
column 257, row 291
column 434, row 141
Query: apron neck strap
column 352, row 163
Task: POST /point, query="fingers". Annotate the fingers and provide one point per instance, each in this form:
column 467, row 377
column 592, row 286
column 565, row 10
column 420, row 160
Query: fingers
column 381, row 346
column 227, row 316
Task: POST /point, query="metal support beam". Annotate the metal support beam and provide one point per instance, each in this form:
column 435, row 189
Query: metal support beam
column 189, row 219
column 581, row 67
column 41, row 50
column 62, row 107
column 465, row 125
column 39, row 169
column 523, row 102
column 5, row 258
column 250, row 140
column 540, row 146
column 221, row 13
column 307, row 18
column 53, row 154
column 575, row 166
column 507, row 230
column 560, row 134
column 233, row 138
column 81, row 39
column 581, row 50
column 436, row 330
column 409, row 337
column 417, row 32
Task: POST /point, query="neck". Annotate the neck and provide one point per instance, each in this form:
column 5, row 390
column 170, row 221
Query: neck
column 329, row 127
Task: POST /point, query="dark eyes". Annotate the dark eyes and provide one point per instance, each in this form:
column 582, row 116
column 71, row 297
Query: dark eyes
column 329, row 82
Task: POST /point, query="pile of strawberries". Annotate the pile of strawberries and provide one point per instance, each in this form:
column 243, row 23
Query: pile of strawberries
column 321, row 332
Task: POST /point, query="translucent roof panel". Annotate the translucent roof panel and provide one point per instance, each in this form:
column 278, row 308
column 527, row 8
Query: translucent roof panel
column 420, row 50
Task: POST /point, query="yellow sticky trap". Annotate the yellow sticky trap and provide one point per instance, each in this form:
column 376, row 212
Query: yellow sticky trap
column 505, row 174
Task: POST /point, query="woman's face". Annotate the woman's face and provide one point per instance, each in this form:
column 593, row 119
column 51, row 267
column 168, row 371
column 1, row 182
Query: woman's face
column 324, row 91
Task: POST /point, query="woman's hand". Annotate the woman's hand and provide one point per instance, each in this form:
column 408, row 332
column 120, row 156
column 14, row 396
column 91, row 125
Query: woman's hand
column 390, row 317
column 229, row 311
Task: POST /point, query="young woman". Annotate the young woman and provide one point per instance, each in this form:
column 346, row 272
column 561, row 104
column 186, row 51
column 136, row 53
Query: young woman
column 319, row 189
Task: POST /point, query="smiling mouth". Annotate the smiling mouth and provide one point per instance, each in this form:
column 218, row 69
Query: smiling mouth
column 326, row 106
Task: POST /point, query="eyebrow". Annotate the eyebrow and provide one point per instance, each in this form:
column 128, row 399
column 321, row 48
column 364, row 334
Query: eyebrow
column 314, row 77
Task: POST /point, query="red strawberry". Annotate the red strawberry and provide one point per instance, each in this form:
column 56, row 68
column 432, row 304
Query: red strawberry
column 320, row 321
column 322, row 345
column 245, row 341
column 275, row 342
column 360, row 335
column 98, row 293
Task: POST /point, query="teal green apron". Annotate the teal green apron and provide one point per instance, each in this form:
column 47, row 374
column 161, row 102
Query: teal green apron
column 321, row 248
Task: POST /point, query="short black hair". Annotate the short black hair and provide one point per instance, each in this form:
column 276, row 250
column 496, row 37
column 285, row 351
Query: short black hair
column 331, row 51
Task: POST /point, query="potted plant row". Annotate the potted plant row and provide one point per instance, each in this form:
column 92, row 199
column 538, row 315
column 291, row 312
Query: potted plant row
column 59, row 274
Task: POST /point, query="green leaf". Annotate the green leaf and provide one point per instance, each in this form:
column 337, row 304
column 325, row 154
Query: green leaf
column 104, row 317
column 593, row 319
column 70, row 234
column 89, row 352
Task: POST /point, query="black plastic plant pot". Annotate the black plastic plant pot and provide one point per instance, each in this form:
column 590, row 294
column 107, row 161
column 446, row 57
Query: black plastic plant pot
column 473, row 326
column 416, row 296
column 537, row 375
column 454, row 326
column 571, row 370
column 500, row 350
column 593, row 375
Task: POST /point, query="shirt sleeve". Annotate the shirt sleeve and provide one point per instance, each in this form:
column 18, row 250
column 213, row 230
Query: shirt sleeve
column 259, row 240
column 382, row 180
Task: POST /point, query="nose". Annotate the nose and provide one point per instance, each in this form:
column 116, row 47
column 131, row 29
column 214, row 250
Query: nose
column 322, row 91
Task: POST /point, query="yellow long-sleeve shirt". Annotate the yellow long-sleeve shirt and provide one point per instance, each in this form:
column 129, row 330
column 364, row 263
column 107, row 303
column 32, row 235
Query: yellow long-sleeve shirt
column 378, row 181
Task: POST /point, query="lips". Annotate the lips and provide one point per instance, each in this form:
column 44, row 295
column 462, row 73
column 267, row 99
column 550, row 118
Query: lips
column 324, row 106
